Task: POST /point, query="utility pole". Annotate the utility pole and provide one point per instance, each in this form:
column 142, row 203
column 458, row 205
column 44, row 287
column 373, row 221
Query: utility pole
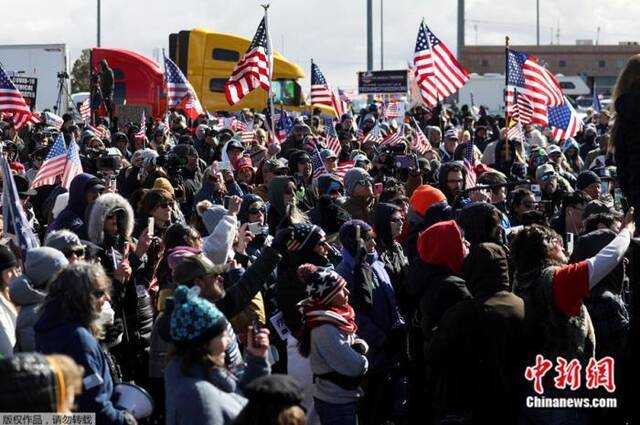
column 537, row 22
column 381, row 34
column 460, row 26
column 558, row 34
column 98, row 23
column 369, row 35
column 598, row 36
column 475, row 28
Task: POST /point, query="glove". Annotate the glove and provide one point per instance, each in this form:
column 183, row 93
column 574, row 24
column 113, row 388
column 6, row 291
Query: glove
column 360, row 346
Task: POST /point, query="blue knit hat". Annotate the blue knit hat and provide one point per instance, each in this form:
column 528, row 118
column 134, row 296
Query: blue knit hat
column 194, row 319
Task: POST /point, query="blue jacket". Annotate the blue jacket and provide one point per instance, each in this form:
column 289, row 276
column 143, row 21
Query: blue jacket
column 54, row 334
column 376, row 325
column 73, row 216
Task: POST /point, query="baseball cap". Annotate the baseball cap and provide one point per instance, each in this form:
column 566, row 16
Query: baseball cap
column 451, row 134
column 194, row 266
column 326, row 154
column 274, row 164
column 546, row 172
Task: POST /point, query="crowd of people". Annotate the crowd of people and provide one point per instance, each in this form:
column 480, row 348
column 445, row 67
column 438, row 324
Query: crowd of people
column 234, row 283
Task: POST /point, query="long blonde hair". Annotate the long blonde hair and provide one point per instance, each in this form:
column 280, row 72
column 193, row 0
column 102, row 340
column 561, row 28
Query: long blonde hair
column 628, row 81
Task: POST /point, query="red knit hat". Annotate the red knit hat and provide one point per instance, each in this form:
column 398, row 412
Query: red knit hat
column 244, row 162
column 424, row 196
column 442, row 245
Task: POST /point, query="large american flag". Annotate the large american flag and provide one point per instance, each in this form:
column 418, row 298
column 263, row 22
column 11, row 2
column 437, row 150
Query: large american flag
column 420, row 143
column 85, row 109
column 73, row 166
column 15, row 222
column 564, row 121
column 320, row 92
column 526, row 76
column 53, row 166
column 438, row 74
column 141, row 133
column 520, row 107
column 317, row 164
column 252, row 71
column 331, row 137
column 11, row 101
column 180, row 93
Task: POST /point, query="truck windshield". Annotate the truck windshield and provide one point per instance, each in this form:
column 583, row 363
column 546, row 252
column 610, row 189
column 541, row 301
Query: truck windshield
column 287, row 92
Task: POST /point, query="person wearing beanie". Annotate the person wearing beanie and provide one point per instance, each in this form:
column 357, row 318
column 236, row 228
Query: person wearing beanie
column 421, row 200
column 377, row 314
column 358, row 186
column 589, row 183
column 9, row 269
column 284, row 209
column 221, row 225
column 329, row 340
column 245, row 174
column 436, row 213
column 273, row 399
column 29, row 290
column 66, row 242
column 434, row 279
column 156, row 203
column 199, row 389
column 165, row 184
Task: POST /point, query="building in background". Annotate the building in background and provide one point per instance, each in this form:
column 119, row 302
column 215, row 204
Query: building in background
column 599, row 64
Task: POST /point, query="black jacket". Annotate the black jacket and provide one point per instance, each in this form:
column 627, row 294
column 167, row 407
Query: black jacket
column 626, row 138
column 477, row 355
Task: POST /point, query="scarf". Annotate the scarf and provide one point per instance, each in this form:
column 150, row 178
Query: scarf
column 318, row 314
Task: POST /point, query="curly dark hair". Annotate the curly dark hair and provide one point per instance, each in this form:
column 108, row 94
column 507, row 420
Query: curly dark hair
column 530, row 247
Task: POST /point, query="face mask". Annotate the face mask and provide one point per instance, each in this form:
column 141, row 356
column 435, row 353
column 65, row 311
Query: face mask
column 106, row 314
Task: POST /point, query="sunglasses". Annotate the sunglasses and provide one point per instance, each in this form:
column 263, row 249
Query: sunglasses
column 78, row 252
column 280, row 173
column 166, row 205
column 257, row 210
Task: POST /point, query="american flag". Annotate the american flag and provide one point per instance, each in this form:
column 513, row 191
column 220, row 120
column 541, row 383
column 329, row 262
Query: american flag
column 374, row 135
column 526, row 76
column 469, row 164
column 520, row 107
column 73, row 166
column 11, row 101
column 85, row 109
column 438, row 74
column 564, row 121
column 53, row 166
column 15, row 222
column 515, row 131
column 343, row 168
column 238, row 125
column 140, row 135
column 180, row 93
column 247, row 136
column 420, row 143
column 52, row 119
column 99, row 131
column 320, row 92
column 340, row 102
column 331, row 137
column 252, row 71
column 394, row 137
column 317, row 163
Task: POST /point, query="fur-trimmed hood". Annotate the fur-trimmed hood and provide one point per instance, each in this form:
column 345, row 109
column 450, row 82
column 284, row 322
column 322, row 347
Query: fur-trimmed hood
column 105, row 206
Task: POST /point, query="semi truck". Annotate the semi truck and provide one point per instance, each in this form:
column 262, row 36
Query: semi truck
column 38, row 70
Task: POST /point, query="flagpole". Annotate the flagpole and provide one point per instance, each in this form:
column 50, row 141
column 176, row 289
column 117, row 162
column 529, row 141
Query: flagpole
column 270, row 55
column 506, row 83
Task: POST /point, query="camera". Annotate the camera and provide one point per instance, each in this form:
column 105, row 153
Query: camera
column 63, row 75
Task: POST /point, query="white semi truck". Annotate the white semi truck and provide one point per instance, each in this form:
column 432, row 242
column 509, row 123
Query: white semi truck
column 48, row 64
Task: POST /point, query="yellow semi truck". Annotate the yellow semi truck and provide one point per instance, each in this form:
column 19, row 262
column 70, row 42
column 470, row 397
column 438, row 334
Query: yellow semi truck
column 208, row 58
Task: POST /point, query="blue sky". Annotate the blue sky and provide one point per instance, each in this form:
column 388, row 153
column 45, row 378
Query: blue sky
column 333, row 32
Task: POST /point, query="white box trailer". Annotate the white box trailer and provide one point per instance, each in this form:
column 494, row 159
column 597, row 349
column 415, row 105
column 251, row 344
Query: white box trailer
column 45, row 62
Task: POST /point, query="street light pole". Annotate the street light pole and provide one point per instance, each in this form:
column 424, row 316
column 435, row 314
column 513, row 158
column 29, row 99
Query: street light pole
column 381, row 34
column 369, row 35
column 537, row 22
column 98, row 23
